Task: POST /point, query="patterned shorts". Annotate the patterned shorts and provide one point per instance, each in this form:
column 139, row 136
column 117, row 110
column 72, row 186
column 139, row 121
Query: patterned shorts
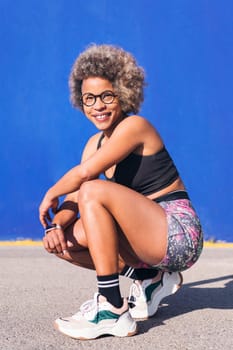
column 185, row 237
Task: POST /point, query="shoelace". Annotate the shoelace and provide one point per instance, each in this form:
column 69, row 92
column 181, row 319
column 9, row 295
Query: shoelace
column 89, row 306
column 137, row 290
column 134, row 292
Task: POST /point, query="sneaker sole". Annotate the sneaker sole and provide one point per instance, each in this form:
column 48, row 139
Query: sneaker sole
column 124, row 327
column 153, row 307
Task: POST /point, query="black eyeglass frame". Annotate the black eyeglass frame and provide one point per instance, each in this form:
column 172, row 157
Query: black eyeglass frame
column 101, row 96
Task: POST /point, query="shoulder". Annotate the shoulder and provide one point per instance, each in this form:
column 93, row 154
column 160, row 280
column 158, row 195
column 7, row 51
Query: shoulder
column 136, row 119
column 136, row 122
column 137, row 125
column 138, row 129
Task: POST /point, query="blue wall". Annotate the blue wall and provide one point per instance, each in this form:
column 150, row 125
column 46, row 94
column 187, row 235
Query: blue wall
column 186, row 49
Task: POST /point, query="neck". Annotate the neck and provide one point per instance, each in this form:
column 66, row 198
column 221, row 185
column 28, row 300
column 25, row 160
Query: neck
column 108, row 133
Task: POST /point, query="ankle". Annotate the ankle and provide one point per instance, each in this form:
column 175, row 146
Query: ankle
column 108, row 286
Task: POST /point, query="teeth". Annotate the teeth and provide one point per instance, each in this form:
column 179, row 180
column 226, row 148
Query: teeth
column 100, row 117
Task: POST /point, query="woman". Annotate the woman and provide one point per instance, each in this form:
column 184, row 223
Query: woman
column 140, row 223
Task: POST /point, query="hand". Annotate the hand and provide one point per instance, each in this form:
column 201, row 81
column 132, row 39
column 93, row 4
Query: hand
column 54, row 241
column 46, row 204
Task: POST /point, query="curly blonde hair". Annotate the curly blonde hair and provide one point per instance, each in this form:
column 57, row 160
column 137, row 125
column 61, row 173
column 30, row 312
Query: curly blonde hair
column 117, row 66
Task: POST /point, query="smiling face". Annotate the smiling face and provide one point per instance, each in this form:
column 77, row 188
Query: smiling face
column 105, row 116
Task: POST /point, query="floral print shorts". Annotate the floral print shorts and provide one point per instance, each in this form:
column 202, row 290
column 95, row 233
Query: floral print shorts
column 185, row 237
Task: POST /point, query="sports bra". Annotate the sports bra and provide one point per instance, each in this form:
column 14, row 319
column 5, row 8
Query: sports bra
column 145, row 174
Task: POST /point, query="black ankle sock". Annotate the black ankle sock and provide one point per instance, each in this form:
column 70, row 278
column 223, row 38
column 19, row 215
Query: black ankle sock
column 108, row 286
column 138, row 274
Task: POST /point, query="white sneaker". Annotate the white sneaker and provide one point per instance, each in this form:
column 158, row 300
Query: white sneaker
column 145, row 296
column 98, row 317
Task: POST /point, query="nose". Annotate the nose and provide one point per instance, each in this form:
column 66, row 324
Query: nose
column 99, row 104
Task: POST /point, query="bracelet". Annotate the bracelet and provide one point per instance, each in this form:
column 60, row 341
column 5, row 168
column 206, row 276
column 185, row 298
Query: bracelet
column 52, row 227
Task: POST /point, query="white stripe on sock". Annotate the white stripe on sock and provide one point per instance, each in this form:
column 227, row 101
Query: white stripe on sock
column 106, row 284
column 109, row 285
column 129, row 272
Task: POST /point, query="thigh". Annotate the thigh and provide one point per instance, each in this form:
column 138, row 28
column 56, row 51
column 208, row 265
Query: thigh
column 142, row 221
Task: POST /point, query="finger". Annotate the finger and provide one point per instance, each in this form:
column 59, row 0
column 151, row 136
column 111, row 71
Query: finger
column 44, row 218
column 43, row 221
column 61, row 244
column 62, row 240
column 52, row 242
column 55, row 242
column 46, row 245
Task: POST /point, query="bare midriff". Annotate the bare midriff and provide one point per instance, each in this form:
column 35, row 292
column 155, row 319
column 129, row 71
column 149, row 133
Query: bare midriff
column 177, row 185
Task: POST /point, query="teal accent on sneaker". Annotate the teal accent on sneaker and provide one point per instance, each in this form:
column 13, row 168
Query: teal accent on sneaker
column 98, row 317
column 104, row 315
column 150, row 289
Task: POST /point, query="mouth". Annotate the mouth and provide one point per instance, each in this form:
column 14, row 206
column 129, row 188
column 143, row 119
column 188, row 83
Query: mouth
column 102, row 117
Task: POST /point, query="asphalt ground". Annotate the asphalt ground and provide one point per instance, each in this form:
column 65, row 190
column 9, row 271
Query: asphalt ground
column 36, row 288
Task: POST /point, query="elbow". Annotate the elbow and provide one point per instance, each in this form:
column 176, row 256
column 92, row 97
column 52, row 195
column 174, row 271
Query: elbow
column 85, row 174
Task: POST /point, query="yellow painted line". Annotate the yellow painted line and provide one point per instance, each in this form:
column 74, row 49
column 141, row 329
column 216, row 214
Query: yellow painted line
column 29, row 242
column 218, row 245
column 26, row 242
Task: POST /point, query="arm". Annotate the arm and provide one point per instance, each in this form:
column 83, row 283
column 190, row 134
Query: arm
column 68, row 211
column 54, row 241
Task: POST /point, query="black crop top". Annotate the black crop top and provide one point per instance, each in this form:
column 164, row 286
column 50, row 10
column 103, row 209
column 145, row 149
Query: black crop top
column 145, row 174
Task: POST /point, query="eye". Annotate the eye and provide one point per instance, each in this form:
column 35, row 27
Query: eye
column 88, row 99
column 107, row 96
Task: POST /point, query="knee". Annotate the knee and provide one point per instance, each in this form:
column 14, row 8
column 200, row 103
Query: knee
column 89, row 191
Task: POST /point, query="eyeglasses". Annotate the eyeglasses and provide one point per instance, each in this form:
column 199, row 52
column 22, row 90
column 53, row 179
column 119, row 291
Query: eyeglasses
column 89, row 99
